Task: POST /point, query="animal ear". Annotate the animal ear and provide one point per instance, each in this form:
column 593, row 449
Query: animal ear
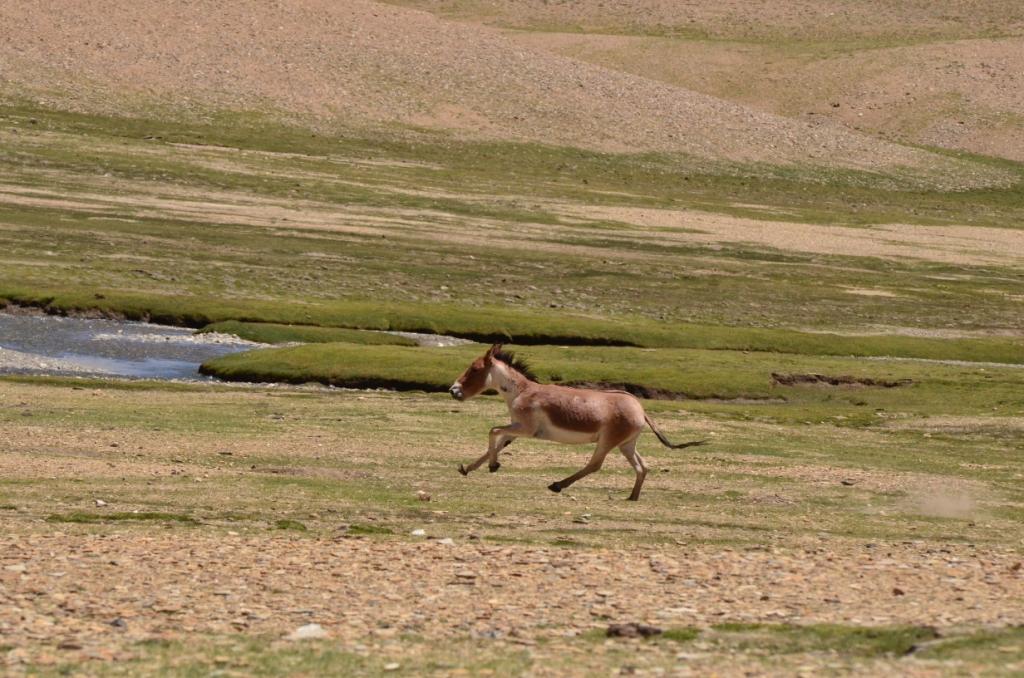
column 494, row 349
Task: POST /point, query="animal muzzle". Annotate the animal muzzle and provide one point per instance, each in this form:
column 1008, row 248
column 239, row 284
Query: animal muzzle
column 456, row 392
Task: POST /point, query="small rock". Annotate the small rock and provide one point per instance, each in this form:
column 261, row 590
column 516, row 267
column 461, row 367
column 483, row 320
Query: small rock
column 20, row 567
column 423, row 496
column 419, row 532
column 1016, row 567
column 393, row 666
column 848, row 482
column 308, row 632
column 101, row 503
column 897, row 591
column 632, row 631
column 447, row 541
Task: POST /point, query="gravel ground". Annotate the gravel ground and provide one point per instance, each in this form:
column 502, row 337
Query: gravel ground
column 68, row 589
column 19, row 361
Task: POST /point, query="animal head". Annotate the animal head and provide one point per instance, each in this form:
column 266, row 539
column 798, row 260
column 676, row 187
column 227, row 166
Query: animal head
column 477, row 377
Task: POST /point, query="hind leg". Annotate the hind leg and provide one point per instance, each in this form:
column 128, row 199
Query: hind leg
column 628, row 450
column 596, row 460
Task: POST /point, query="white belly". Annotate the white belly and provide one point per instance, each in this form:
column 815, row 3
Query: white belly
column 549, row 431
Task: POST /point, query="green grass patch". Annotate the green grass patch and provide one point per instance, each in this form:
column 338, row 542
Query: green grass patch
column 272, row 333
column 681, row 634
column 842, row 639
column 362, row 528
column 142, row 516
column 1006, row 643
column 286, row 524
column 657, row 373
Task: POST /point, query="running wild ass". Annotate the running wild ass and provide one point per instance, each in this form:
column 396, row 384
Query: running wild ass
column 558, row 413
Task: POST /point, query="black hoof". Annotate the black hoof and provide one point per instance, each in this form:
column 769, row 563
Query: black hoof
column 462, row 470
column 555, row 487
column 493, row 467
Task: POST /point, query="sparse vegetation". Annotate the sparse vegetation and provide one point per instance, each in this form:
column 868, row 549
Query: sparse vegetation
column 115, row 516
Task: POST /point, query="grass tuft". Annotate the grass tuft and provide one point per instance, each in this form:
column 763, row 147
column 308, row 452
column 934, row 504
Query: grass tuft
column 285, row 524
column 358, row 528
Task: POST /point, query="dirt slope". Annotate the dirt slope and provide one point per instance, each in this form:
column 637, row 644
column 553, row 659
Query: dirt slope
column 945, row 74
column 363, row 62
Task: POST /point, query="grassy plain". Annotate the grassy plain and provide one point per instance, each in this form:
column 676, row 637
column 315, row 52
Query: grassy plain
column 241, row 219
column 258, row 510
column 837, row 528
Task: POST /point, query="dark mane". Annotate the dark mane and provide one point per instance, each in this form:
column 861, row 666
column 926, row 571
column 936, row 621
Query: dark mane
column 517, row 364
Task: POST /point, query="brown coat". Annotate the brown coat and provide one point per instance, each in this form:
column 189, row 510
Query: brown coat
column 557, row 413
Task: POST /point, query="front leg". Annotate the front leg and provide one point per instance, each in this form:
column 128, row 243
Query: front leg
column 500, row 438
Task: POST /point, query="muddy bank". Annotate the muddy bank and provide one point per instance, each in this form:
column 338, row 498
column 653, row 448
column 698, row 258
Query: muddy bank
column 843, row 380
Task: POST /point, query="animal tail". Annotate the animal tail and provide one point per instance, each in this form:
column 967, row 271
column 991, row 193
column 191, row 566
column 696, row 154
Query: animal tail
column 666, row 442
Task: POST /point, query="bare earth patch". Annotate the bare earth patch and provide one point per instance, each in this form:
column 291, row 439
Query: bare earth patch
column 945, row 244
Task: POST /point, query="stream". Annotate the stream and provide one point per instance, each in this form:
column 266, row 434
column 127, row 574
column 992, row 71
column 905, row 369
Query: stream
column 35, row 343
column 57, row 345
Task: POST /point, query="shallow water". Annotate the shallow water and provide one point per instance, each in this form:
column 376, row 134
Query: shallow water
column 45, row 344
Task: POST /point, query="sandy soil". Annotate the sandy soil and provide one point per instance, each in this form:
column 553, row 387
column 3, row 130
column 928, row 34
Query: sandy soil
column 365, row 62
